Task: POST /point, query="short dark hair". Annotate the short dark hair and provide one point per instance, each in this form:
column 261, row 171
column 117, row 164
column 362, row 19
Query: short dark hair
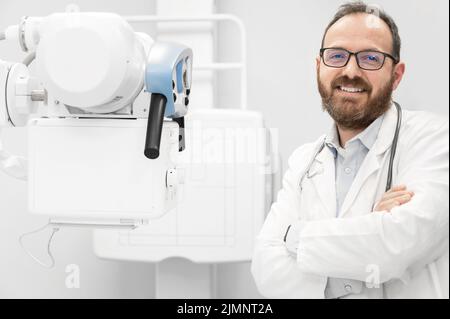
column 361, row 7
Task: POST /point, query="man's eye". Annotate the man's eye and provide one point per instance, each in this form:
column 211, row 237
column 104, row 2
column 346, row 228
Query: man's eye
column 338, row 56
column 371, row 58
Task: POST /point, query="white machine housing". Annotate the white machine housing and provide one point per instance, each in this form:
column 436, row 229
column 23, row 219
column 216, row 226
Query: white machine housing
column 92, row 61
column 88, row 168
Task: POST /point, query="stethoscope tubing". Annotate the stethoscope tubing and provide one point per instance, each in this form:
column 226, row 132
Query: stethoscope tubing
column 391, row 158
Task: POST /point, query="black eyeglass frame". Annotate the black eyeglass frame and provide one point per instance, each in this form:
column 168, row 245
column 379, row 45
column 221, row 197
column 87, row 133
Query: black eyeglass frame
column 350, row 53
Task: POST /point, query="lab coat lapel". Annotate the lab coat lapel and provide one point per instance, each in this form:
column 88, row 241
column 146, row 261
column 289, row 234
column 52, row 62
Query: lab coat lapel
column 322, row 174
column 374, row 158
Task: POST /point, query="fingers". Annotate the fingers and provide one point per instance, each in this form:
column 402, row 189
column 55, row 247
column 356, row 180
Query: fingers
column 388, row 196
column 390, row 204
column 402, row 199
column 387, row 206
column 396, row 196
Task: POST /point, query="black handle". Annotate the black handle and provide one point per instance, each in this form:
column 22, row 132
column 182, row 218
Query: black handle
column 154, row 125
column 181, row 137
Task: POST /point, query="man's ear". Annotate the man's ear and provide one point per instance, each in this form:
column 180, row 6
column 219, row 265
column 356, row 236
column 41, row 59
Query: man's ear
column 317, row 63
column 399, row 71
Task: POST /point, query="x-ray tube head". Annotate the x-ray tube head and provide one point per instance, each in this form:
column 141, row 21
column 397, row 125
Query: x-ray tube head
column 92, row 61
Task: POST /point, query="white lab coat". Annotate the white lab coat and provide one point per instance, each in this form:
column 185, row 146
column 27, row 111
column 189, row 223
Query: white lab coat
column 406, row 251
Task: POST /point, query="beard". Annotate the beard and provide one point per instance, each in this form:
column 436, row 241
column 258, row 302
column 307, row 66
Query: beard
column 347, row 112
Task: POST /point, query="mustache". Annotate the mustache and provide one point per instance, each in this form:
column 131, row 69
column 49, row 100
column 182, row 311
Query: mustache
column 346, row 81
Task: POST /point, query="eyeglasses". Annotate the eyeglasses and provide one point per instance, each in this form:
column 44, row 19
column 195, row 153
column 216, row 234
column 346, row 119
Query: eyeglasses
column 367, row 60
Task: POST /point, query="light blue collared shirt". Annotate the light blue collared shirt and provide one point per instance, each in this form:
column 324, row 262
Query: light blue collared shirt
column 348, row 160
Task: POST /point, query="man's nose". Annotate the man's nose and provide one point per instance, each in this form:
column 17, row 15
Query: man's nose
column 352, row 70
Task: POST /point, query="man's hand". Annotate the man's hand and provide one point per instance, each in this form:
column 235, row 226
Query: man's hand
column 396, row 196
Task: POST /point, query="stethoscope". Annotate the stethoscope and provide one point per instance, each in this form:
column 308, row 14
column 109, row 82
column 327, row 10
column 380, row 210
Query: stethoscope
column 391, row 159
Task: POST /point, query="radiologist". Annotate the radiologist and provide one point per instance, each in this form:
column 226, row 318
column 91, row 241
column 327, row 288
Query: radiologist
column 364, row 210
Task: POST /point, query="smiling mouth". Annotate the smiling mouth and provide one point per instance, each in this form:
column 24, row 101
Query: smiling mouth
column 351, row 90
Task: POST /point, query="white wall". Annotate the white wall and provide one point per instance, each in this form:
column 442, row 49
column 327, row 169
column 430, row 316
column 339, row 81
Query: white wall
column 283, row 40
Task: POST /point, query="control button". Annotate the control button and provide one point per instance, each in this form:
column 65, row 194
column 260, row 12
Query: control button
column 186, row 101
column 348, row 288
column 174, row 98
column 171, row 183
column 188, row 91
column 173, row 85
column 348, row 170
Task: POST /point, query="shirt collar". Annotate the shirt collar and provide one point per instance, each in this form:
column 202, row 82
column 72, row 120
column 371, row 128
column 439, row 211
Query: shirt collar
column 366, row 137
column 332, row 140
column 370, row 134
